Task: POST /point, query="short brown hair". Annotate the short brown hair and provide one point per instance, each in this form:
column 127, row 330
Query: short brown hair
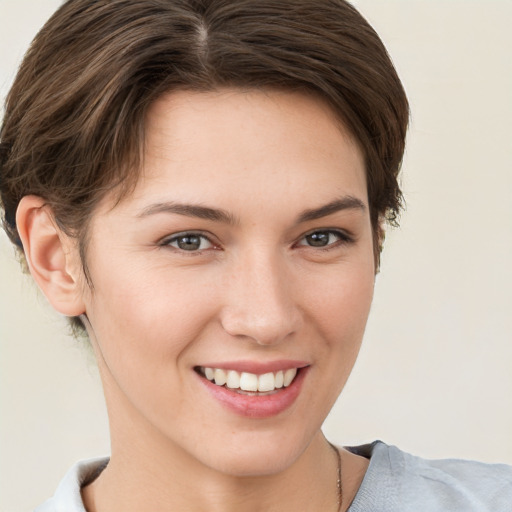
column 74, row 119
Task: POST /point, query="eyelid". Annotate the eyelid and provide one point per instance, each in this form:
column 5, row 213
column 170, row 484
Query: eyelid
column 166, row 240
column 344, row 237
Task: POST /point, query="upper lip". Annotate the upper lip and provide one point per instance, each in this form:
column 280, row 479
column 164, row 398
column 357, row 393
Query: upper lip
column 257, row 367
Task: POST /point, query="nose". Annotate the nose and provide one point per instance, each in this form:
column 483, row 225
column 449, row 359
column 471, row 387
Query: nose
column 260, row 302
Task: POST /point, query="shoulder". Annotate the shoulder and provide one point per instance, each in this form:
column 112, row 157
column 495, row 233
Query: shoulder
column 67, row 497
column 398, row 481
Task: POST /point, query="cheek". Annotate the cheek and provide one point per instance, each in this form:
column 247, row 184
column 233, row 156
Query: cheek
column 341, row 312
column 144, row 325
column 147, row 314
column 341, row 304
column 338, row 312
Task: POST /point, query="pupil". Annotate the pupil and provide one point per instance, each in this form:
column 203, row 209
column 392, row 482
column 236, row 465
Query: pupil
column 318, row 239
column 189, row 243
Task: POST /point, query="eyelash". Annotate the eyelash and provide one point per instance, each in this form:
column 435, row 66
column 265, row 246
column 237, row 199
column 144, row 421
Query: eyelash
column 167, row 242
column 342, row 238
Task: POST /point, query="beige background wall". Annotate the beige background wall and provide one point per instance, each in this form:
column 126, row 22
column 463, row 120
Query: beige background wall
column 435, row 373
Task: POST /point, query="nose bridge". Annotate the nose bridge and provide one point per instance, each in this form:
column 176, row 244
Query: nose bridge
column 261, row 303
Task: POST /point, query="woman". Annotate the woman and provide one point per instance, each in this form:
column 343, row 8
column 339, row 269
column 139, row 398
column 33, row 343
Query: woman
column 202, row 186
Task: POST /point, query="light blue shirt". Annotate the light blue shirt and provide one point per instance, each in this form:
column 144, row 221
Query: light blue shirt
column 399, row 482
column 394, row 482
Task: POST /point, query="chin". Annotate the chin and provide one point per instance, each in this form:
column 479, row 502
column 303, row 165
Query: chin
column 246, row 465
column 257, row 456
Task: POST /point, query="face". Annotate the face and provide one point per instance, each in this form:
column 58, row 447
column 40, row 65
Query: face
column 232, row 287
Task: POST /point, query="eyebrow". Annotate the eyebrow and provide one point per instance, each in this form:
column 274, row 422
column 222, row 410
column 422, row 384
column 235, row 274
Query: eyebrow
column 189, row 210
column 342, row 203
column 220, row 215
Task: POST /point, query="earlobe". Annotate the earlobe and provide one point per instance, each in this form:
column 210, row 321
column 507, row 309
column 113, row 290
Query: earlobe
column 51, row 257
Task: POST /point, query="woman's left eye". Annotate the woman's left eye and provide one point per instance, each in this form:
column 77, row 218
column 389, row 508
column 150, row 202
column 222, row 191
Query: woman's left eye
column 323, row 238
column 190, row 242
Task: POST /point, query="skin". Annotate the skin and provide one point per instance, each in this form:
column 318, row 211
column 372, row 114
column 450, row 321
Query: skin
column 255, row 290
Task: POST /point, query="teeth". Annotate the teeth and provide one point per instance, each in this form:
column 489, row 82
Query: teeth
column 279, row 379
column 249, row 381
column 219, row 377
column 233, row 380
column 289, row 375
column 266, row 382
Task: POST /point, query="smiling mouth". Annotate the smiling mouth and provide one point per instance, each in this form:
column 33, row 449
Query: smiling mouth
column 249, row 383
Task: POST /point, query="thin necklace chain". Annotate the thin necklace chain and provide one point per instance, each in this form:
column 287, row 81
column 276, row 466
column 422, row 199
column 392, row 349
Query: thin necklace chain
column 338, row 476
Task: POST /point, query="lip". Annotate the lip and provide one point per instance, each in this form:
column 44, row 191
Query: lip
column 258, row 368
column 261, row 406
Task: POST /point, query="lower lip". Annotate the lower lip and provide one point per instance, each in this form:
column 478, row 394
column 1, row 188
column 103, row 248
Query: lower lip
column 257, row 406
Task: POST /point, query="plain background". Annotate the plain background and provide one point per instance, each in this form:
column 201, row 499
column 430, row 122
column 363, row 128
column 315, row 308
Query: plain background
column 435, row 372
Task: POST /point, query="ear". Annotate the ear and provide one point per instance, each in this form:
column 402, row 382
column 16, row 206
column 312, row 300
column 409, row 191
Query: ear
column 51, row 255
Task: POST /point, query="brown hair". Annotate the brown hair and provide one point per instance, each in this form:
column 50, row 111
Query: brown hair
column 74, row 118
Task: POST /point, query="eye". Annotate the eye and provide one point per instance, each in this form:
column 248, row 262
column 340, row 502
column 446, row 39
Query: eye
column 324, row 239
column 190, row 242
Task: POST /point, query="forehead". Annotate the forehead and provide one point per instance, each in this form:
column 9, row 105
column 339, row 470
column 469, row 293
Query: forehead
column 210, row 145
column 262, row 117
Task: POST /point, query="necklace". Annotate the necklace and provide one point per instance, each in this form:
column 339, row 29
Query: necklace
column 338, row 476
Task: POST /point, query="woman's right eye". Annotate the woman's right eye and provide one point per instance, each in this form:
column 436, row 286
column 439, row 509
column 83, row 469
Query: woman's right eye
column 189, row 242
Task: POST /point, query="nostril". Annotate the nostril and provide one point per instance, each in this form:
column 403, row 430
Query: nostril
column 263, row 329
